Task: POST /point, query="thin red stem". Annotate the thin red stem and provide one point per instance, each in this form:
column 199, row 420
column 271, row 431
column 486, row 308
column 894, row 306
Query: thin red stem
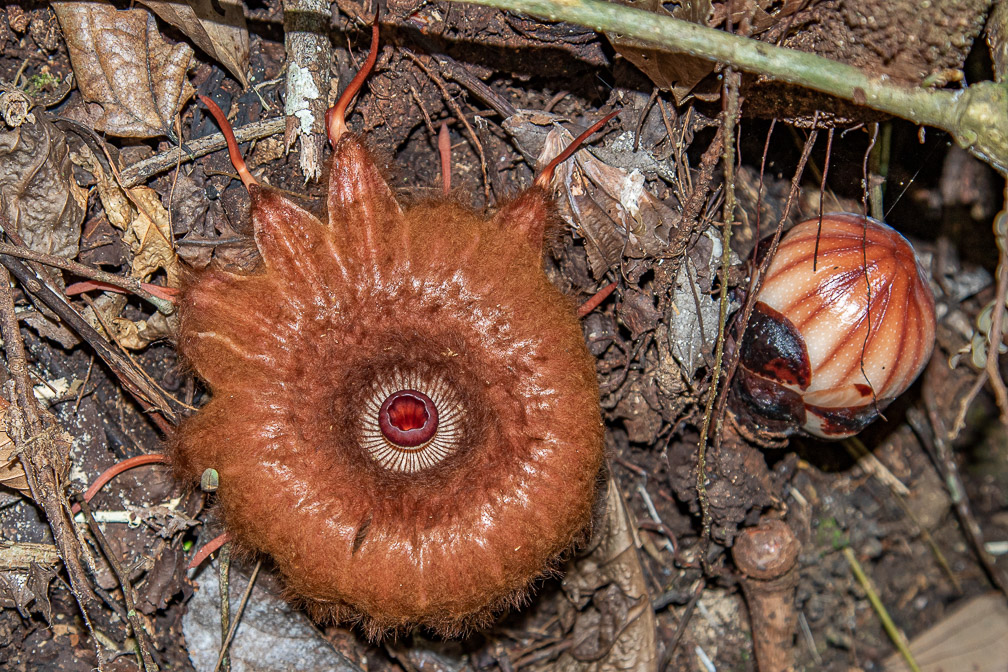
column 159, row 291
column 236, row 158
column 204, row 552
column 115, row 470
column 596, row 300
column 547, row 175
column 336, row 115
column 444, row 149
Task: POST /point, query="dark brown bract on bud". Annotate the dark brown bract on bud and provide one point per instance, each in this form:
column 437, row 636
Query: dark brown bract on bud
column 404, row 414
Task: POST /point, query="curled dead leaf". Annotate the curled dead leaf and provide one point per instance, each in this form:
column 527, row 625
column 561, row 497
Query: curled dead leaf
column 38, row 194
column 614, row 624
column 136, row 335
column 12, row 474
column 608, row 206
column 139, row 213
column 217, row 28
column 132, row 80
column 678, row 73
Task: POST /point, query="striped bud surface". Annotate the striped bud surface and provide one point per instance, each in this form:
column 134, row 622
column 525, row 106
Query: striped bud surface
column 839, row 332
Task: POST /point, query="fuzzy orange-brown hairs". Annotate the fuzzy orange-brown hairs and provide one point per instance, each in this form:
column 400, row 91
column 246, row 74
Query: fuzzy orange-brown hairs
column 347, row 312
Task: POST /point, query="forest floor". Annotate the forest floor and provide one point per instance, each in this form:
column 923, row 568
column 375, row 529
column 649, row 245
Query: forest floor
column 918, row 501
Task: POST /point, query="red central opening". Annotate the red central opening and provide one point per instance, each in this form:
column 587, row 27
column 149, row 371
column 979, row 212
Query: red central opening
column 408, row 418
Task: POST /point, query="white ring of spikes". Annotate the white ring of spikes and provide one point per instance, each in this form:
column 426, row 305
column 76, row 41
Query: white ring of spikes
column 401, row 458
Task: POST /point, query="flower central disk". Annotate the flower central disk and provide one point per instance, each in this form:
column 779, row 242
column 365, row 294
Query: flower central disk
column 408, row 418
column 411, row 421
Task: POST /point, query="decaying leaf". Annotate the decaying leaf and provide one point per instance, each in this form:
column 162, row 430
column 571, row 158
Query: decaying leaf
column 218, row 28
column 693, row 322
column 37, row 583
column 133, row 81
column 38, row 194
column 149, row 236
column 12, row 474
column 139, row 213
column 973, row 637
column 136, row 335
column 614, row 623
column 609, row 207
column 18, row 590
column 677, row 73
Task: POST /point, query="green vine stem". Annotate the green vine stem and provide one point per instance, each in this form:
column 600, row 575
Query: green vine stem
column 977, row 116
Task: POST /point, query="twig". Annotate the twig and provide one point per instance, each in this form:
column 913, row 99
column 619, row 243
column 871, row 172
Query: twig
column 20, row 555
column 42, row 452
column 934, row 441
column 224, row 581
column 457, row 111
column 309, row 54
column 874, row 467
column 135, row 380
column 995, row 335
column 974, row 116
column 730, row 116
column 683, row 622
column 458, row 72
column 127, row 590
column 129, row 284
column 887, row 623
column 151, row 383
column 757, row 274
column 139, row 172
column 237, row 616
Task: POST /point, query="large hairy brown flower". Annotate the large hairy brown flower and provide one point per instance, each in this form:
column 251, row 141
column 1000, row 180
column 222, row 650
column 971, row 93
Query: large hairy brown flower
column 404, row 414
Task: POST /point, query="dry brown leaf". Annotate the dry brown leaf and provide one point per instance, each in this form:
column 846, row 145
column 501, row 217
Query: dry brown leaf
column 677, row 73
column 614, row 626
column 38, row 194
column 141, row 333
column 149, row 236
column 973, row 637
column 608, row 206
column 218, row 28
column 139, row 213
column 133, row 81
column 12, row 474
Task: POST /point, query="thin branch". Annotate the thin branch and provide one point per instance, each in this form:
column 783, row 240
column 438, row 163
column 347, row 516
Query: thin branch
column 131, row 285
column 975, row 116
column 43, row 450
column 139, row 172
column 127, row 590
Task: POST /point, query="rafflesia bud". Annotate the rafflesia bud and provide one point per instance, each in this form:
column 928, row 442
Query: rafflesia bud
column 837, row 333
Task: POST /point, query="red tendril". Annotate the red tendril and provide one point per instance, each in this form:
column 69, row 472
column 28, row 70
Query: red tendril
column 204, row 552
column 236, row 158
column 597, row 299
column 115, row 470
column 336, row 115
column 547, row 175
column 444, row 149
